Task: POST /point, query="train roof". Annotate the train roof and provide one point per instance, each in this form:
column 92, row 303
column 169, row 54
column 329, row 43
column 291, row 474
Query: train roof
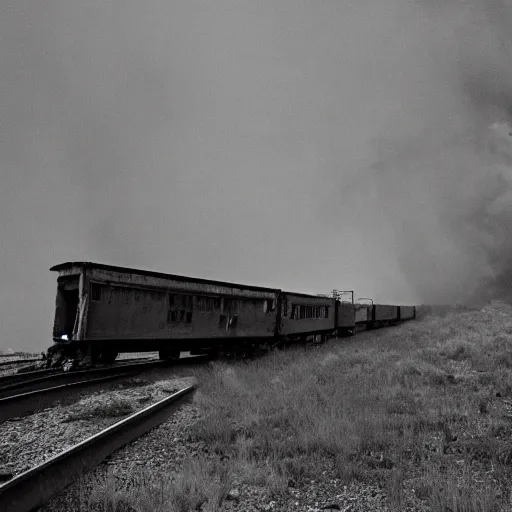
column 310, row 295
column 87, row 264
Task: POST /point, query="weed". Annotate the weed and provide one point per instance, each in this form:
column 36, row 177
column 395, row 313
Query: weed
column 202, row 485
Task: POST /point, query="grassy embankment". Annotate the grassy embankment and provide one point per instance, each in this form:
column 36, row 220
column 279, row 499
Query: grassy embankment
column 423, row 410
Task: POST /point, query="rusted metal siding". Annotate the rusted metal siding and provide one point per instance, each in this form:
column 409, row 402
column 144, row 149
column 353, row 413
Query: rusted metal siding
column 406, row 312
column 385, row 312
column 140, row 309
column 346, row 316
column 290, row 325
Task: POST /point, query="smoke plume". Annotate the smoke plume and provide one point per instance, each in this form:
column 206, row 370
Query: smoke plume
column 446, row 182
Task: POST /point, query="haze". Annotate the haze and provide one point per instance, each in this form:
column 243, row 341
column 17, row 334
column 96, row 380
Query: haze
column 304, row 145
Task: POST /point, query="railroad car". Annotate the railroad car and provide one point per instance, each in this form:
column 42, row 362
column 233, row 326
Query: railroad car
column 383, row 314
column 305, row 315
column 406, row 312
column 363, row 314
column 107, row 310
column 345, row 318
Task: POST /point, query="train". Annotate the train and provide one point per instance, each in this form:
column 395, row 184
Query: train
column 103, row 310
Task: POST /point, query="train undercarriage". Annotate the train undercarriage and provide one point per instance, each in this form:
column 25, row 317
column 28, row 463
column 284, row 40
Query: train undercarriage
column 82, row 354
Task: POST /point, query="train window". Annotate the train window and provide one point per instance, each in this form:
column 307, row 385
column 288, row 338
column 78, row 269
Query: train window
column 269, row 305
column 326, row 311
column 285, row 306
column 95, row 292
column 180, row 308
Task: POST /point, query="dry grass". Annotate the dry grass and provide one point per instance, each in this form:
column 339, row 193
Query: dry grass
column 201, row 486
column 421, row 408
column 418, row 400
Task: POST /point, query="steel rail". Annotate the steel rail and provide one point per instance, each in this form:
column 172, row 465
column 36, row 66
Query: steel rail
column 30, row 381
column 35, row 487
column 7, row 380
column 75, row 376
column 26, row 403
column 19, row 361
column 19, row 377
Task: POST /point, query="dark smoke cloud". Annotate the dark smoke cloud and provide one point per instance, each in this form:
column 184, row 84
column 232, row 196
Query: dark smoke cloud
column 447, row 184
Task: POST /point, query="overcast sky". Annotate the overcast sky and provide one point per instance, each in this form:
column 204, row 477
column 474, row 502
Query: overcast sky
column 306, row 145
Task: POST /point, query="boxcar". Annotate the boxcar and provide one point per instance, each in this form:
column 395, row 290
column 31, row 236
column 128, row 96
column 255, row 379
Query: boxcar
column 109, row 309
column 407, row 312
column 384, row 314
column 345, row 318
column 305, row 315
column 363, row 312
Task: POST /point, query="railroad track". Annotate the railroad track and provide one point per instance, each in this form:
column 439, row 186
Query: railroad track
column 28, row 397
column 19, row 361
column 30, row 381
column 22, row 376
column 35, row 487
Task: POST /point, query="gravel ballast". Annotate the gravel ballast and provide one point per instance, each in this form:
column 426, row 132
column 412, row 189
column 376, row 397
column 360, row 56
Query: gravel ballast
column 29, row 441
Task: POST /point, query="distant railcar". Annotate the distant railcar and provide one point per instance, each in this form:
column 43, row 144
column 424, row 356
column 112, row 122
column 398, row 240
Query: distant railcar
column 407, row 312
column 383, row 314
column 363, row 313
column 345, row 319
column 306, row 315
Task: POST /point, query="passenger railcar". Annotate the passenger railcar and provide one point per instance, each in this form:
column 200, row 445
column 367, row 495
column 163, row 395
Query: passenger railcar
column 109, row 309
column 305, row 315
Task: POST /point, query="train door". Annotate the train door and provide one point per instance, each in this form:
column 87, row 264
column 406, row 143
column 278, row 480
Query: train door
column 66, row 310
